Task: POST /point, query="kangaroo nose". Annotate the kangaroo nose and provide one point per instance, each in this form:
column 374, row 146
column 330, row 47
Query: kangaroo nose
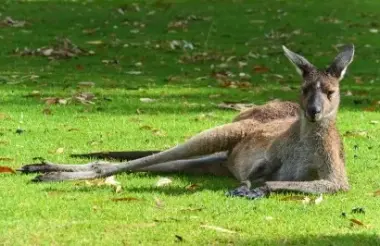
column 315, row 110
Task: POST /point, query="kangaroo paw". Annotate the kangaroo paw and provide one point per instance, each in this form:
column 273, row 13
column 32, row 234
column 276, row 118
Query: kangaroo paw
column 62, row 176
column 42, row 167
column 252, row 194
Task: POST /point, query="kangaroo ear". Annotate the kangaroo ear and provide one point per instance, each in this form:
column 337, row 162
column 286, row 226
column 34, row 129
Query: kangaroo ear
column 342, row 60
column 302, row 65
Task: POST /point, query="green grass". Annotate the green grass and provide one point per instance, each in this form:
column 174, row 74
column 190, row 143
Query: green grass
column 76, row 214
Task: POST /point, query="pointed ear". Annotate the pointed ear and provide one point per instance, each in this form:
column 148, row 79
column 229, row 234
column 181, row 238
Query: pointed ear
column 338, row 68
column 302, row 65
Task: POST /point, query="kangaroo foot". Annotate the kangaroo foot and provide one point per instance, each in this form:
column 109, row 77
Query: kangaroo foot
column 252, row 194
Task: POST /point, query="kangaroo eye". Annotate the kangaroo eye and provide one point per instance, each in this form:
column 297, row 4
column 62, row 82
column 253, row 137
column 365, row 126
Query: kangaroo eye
column 329, row 94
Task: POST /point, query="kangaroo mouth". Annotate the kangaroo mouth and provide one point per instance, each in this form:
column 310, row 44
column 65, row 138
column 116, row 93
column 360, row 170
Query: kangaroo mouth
column 313, row 118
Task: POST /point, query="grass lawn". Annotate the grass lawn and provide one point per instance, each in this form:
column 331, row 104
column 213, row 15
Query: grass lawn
column 168, row 51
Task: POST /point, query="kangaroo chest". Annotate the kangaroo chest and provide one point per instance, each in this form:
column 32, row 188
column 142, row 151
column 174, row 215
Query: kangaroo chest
column 300, row 160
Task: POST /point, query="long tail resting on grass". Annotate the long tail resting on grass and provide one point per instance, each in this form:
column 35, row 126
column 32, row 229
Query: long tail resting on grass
column 268, row 148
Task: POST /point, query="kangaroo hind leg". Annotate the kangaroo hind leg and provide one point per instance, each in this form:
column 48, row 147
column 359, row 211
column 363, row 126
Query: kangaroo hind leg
column 249, row 165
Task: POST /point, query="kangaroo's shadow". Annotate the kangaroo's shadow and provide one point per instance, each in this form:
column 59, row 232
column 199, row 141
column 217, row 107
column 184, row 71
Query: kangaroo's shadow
column 189, row 184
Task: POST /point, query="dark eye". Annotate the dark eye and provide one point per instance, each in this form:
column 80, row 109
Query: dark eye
column 330, row 93
column 304, row 90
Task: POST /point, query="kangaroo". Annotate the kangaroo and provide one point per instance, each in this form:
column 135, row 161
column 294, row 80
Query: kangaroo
column 300, row 154
column 270, row 111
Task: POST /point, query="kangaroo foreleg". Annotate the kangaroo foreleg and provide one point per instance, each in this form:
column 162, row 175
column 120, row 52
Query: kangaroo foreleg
column 312, row 187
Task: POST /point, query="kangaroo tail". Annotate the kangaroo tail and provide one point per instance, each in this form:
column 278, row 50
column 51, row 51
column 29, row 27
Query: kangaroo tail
column 117, row 155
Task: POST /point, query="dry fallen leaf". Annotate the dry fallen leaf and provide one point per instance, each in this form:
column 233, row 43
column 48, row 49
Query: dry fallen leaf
column 163, row 182
column 159, row 203
column 60, row 150
column 84, row 98
column 217, row 228
column 268, row 218
column 134, row 72
column 126, row 199
column 355, row 134
column 235, row 106
column 191, row 209
column 54, row 100
column 8, row 21
column 293, row 198
column 111, row 181
column 192, row 187
column 319, row 199
column 260, row 69
column 357, row 222
column 47, row 111
column 147, row 100
column 306, row 200
column 86, row 84
column 95, row 42
column 62, row 49
column 4, row 169
column 376, row 193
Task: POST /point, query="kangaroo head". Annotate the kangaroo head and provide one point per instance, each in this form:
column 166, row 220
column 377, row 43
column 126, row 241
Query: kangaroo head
column 320, row 88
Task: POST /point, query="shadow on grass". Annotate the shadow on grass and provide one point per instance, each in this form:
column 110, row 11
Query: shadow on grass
column 353, row 239
column 191, row 102
column 201, row 183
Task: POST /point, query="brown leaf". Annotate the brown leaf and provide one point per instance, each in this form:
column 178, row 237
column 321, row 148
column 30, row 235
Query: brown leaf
column 355, row 134
column 376, row 193
column 357, row 222
column 54, row 100
column 47, row 111
column 235, row 106
column 85, row 84
column 90, row 31
column 293, row 198
column 4, row 116
column 260, row 69
column 234, row 84
column 192, row 187
column 191, row 209
column 4, row 169
column 84, row 97
column 358, row 80
column 214, row 96
column 146, row 127
column 62, row 49
column 126, row 199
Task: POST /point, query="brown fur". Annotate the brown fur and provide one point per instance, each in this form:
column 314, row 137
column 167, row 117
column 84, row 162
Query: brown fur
column 267, row 145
